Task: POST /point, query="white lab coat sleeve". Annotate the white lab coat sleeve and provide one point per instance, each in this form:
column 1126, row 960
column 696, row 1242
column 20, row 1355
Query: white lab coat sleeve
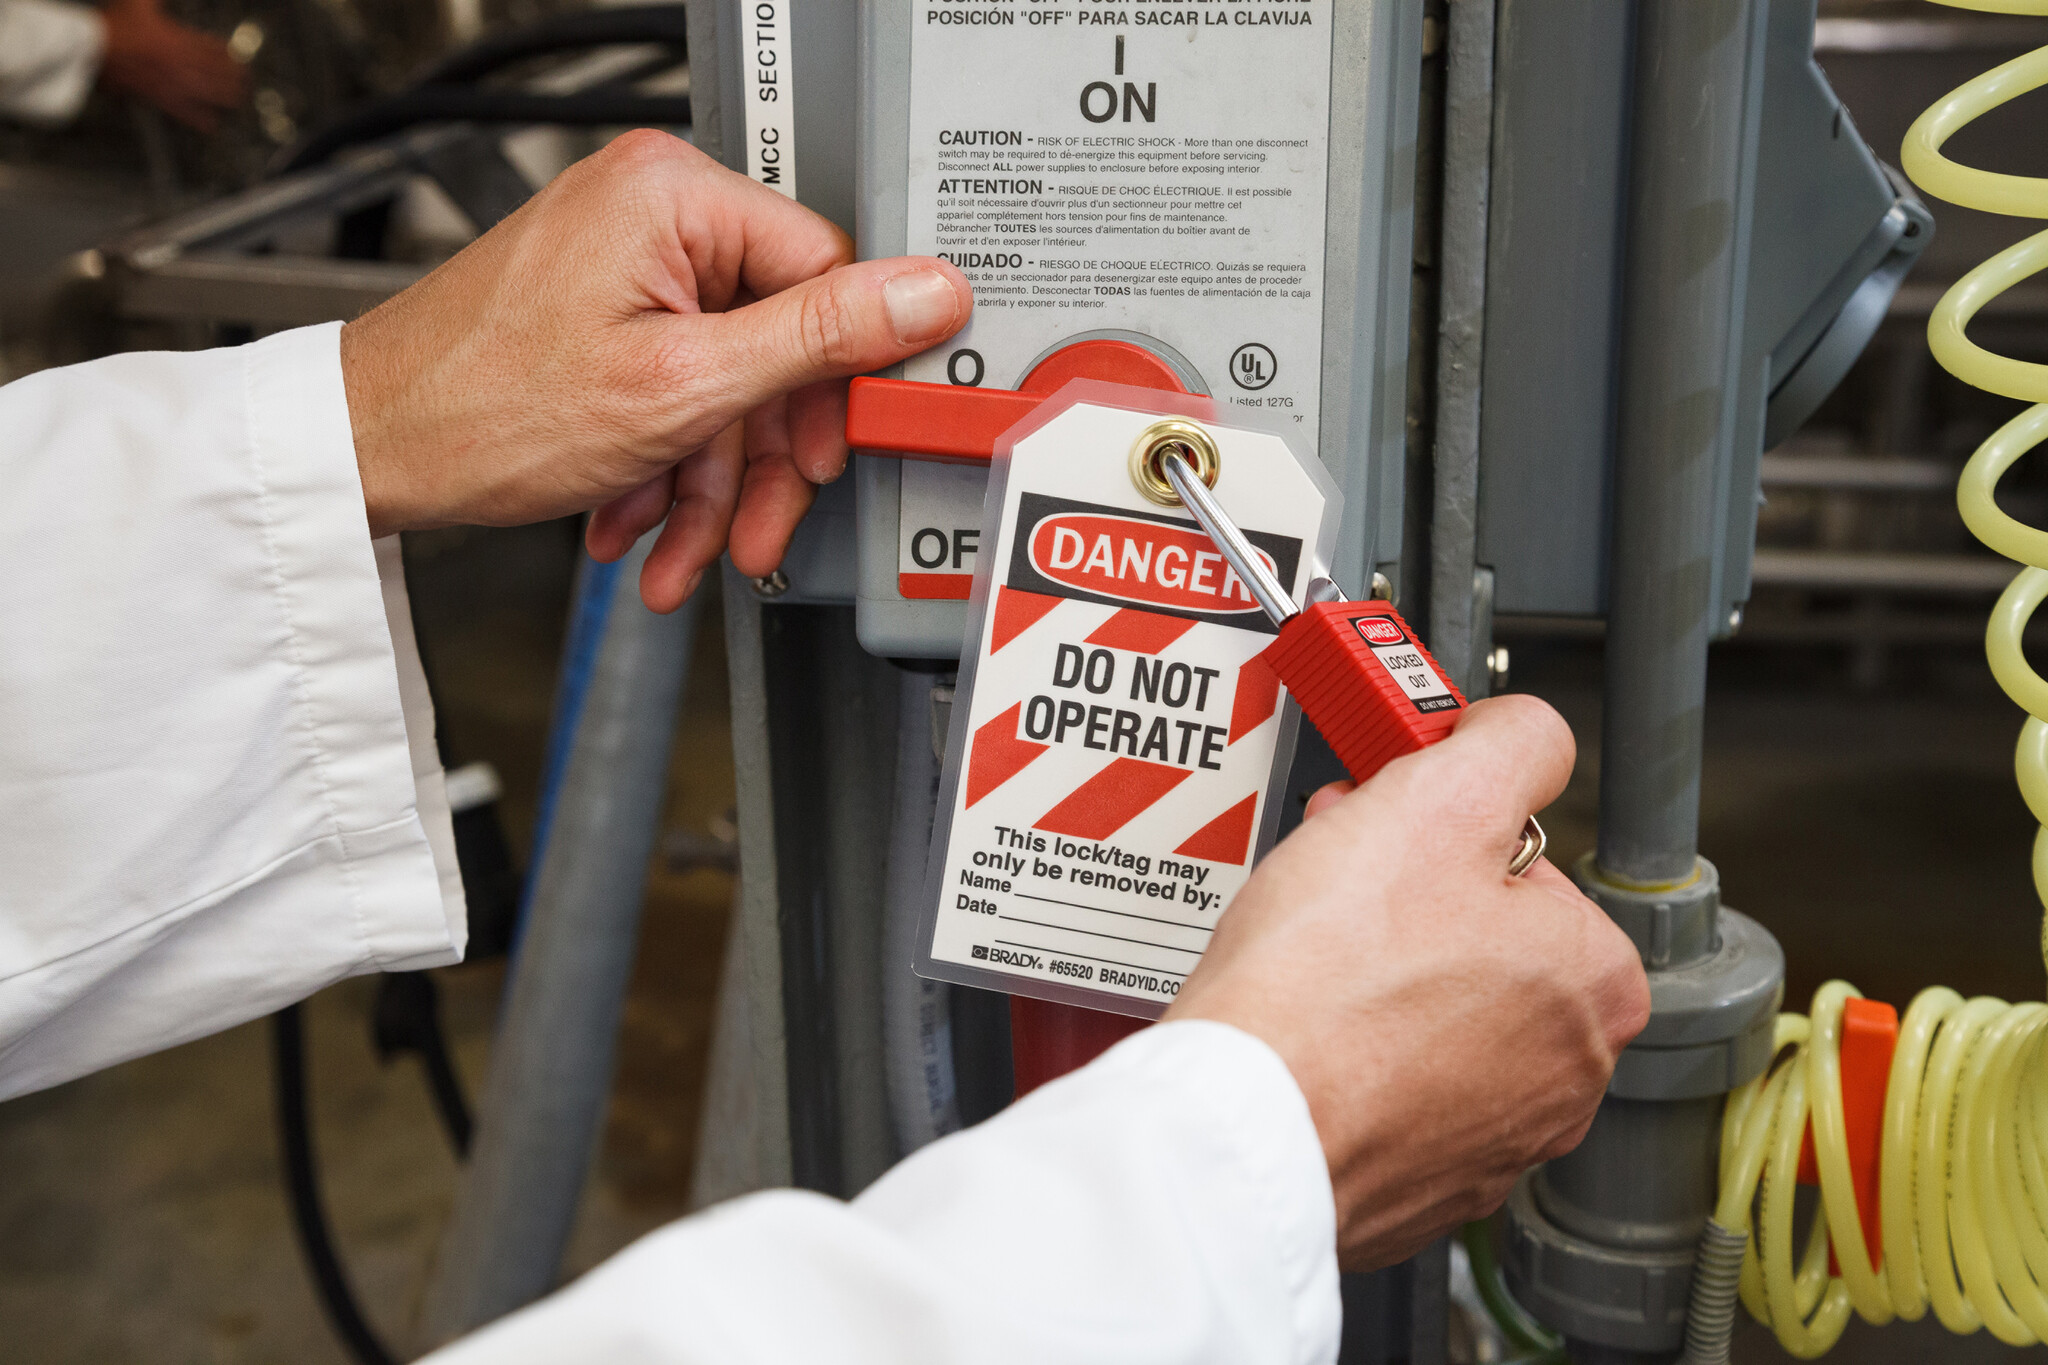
column 218, row 782
column 1166, row 1205
column 49, row 58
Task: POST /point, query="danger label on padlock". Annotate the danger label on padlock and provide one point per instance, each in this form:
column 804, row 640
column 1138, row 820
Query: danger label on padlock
column 1116, row 744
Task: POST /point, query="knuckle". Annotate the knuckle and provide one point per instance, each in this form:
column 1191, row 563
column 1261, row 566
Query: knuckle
column 1623, row 988
column 830, row 247
column 830, row 329
column 642, row 146
column 1632, row 1013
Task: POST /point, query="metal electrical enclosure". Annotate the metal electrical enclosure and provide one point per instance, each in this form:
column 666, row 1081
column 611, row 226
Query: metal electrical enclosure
column 1348, row 381
column 1064, row 156
column 1822, row 234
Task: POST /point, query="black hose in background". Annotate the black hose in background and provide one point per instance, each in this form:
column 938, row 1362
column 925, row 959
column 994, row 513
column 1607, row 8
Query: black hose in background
column 407, row 1018
column 302, row 1193
column 485, row 104
column 448, row 91
column 563, row 33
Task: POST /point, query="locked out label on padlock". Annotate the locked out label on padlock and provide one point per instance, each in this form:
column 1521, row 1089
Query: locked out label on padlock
column 1116, row 748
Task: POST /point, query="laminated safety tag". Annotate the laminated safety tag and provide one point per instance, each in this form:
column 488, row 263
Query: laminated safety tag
column 1116, row 751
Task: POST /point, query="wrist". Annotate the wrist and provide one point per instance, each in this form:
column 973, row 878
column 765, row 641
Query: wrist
column 370, row 378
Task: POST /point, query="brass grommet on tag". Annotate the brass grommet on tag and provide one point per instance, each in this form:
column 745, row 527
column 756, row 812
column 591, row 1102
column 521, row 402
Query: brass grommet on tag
column 1179, row 436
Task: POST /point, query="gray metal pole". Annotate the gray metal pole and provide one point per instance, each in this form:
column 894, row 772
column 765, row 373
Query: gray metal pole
column 917, row 1019
column 1682, row 327
column 1601, row 1241
column 1462, row 640
column 551, row 1064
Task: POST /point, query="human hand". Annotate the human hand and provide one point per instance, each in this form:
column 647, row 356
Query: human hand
column 188, row 74
column 1450, row 1025
column 652, row 336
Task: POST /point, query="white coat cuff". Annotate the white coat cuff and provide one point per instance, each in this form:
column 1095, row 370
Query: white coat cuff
column 377, row 744
column 49, row 58
column 1254, row 1149
column 1211, row 1119
column 430, row 784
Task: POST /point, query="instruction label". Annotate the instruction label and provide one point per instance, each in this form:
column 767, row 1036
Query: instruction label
column 1109, row 772
column 1150, row 168
column 769, row 93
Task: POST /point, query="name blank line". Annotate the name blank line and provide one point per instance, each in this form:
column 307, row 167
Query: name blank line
column 1092, row 933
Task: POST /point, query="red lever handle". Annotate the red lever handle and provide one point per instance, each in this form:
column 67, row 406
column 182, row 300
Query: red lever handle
column 958, row 424
column 931, row 421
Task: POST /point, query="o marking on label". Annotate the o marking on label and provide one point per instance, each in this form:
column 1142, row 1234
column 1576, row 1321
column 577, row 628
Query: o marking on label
column 953, row 367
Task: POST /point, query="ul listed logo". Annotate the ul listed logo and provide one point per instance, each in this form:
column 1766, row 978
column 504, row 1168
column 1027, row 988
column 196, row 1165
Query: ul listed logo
column 1252, row 366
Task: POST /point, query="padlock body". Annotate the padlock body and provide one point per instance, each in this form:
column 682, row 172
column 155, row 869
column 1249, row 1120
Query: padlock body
column 1365, row 682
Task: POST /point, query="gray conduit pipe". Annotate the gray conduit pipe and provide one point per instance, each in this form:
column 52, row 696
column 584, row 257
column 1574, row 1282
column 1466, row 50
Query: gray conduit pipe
column 917, row 1026
column 551, row 1062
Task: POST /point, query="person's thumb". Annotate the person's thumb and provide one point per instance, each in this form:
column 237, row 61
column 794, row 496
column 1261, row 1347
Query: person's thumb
column 846, row 321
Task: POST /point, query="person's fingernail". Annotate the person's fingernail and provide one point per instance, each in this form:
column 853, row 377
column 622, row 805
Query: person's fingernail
column 690, row 588
column 921, row 305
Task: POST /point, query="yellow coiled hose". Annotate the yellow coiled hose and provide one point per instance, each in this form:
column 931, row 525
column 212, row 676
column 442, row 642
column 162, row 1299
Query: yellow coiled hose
column 1964, row 1165
column 1963, row 1201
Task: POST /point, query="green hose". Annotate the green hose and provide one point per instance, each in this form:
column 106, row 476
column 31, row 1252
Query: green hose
column 1540, row 1345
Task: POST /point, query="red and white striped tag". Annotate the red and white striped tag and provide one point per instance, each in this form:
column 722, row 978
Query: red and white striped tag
column 1115, row 742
